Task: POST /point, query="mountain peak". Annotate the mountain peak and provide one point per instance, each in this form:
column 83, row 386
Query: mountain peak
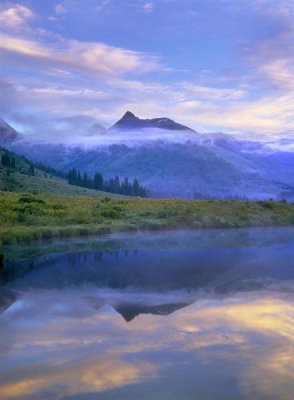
column 131, row 121
column 129, row 114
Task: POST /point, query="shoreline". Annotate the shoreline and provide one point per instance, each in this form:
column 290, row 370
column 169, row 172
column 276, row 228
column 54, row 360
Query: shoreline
column 25, row 218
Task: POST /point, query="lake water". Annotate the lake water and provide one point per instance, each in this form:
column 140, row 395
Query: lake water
column 166, row 316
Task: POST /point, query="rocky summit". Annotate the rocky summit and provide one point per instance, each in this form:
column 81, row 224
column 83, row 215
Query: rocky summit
column 131, row 121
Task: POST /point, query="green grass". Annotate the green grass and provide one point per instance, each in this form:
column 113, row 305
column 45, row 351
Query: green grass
column 27, row 217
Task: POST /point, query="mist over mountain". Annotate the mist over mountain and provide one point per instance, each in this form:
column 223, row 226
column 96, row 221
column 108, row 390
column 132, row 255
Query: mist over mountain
column 95, row 129
column 172, row 162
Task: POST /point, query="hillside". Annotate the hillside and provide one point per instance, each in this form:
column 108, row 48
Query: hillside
column 7, row 133
column 182, row 170
column 24, row 176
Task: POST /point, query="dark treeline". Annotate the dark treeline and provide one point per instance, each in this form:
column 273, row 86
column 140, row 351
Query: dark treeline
column 14, row 161
column 124, row 187
column 219, row 196
column 8, row 161
column 50, row 170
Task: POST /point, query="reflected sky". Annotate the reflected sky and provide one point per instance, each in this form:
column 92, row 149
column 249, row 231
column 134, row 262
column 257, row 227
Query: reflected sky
column 78, row 341
column 56, row 345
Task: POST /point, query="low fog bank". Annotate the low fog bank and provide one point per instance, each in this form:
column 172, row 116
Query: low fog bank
column 84, row 132
column 107, row 138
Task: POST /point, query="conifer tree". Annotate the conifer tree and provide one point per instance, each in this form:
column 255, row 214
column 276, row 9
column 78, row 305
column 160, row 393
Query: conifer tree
column 5, row 161
column 85, row 182
column 117, row 188
column 136, row 188
column 112, row 185
column 32, row 169
column 98, row 181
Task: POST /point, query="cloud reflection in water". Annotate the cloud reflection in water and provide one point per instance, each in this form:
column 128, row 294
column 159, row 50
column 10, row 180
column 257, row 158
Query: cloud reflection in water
column 187, row 315
column 76, row 349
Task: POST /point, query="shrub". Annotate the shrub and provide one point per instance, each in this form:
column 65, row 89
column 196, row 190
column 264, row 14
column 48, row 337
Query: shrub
column 106, row 199
column 29, row 200
column 110, row 213
column 267, row 204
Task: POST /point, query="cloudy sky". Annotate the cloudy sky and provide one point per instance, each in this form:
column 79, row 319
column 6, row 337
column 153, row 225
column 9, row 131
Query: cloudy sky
column 215, row 65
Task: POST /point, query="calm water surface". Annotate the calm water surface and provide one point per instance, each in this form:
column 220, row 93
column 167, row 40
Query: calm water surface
column 165, row 316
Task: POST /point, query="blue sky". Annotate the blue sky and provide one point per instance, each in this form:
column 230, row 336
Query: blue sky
column 215, row 65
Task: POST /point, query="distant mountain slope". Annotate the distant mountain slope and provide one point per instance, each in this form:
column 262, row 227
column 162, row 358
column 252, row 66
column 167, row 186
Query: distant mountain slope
column 7, row 133
column 130, row 121
column 95, row 129
column 172, row 170
column 24, row 177
column 274, row 164
column 183, row 166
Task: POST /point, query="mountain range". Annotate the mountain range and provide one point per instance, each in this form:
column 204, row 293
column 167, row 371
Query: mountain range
column 169, row 159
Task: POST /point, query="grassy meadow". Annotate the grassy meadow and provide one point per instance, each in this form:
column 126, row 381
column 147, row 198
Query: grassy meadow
column 25, row 217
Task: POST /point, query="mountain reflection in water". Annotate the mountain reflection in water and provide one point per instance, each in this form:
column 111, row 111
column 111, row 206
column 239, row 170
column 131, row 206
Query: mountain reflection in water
column 186, row 319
